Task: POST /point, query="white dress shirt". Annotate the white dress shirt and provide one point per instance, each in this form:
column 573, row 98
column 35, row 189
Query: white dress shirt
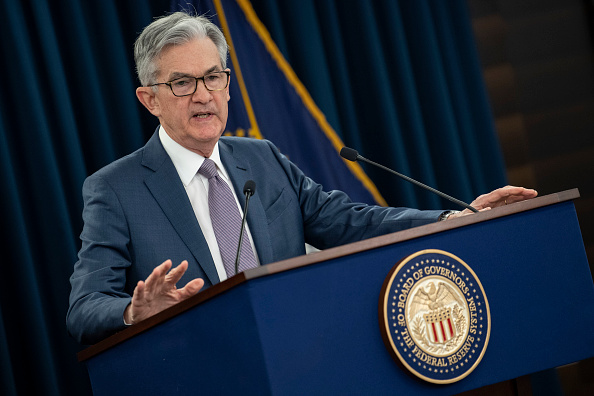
column 187, row 163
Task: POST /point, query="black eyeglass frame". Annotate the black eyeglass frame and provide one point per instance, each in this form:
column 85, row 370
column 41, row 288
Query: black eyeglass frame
column 169, row 83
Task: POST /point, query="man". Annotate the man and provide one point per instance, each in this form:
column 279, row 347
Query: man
column 162, row 203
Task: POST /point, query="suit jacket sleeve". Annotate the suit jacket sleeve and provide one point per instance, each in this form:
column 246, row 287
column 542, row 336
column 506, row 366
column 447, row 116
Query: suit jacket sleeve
column 330, row 218
column 98, row 300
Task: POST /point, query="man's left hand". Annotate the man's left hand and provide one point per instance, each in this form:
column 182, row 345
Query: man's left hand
column 500, row 197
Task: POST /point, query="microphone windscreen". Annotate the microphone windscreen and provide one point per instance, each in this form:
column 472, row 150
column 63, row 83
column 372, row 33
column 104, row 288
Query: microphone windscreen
column 249, row 187
column 349, row 153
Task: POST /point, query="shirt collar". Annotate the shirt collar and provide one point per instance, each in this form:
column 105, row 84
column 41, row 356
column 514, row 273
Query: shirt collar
column 187, row 162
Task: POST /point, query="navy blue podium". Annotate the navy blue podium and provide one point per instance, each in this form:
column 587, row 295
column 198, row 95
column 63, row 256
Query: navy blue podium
column 309, row 325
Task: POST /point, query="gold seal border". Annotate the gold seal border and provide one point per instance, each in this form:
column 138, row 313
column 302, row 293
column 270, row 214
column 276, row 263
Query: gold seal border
column 384, row 321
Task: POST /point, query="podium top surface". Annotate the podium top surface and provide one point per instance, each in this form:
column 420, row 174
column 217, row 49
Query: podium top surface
column 322, row 256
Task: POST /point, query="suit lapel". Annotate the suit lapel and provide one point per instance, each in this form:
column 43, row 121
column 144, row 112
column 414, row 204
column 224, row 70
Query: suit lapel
column 171, row 196
column 239, row 172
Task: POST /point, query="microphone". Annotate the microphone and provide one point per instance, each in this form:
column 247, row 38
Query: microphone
column 352, row 155
column 249, row 188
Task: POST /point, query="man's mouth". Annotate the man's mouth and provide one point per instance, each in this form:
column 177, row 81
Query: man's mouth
column 202, row 115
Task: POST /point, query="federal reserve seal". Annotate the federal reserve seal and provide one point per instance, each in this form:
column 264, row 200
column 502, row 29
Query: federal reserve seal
column 434, row 316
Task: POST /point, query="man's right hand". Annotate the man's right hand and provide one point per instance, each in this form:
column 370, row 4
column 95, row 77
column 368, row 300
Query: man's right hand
column 159, row 292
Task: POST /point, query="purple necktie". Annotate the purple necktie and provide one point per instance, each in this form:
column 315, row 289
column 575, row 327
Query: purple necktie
column 226, row 221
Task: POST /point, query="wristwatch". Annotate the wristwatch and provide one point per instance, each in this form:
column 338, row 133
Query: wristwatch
column 444, row 216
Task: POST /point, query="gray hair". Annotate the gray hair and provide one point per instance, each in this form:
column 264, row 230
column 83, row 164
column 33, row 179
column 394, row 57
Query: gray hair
column 173, row 29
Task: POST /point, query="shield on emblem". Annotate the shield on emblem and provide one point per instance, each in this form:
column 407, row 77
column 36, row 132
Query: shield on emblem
column 440, row 325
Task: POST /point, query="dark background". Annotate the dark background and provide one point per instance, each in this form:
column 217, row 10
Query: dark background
column 537, row 62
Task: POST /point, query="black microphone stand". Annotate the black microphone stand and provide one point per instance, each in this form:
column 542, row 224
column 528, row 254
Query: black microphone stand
column 248, row 190
column 352, row 155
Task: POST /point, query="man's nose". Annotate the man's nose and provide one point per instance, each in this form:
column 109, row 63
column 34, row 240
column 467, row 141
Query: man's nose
column 201, row 94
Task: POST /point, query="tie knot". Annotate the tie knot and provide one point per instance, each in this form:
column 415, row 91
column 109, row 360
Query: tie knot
column 208, row 169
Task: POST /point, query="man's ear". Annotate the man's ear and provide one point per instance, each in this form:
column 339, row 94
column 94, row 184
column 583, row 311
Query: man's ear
column 146, row 96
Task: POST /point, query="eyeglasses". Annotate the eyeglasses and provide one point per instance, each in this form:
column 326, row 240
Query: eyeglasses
column 184, row 86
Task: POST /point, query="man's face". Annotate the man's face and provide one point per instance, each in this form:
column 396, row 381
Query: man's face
column 195, row 121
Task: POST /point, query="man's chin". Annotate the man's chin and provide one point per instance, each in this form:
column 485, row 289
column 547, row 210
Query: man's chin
column 202, row 143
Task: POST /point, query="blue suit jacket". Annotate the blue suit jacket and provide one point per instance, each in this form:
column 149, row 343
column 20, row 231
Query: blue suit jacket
column 137, row 215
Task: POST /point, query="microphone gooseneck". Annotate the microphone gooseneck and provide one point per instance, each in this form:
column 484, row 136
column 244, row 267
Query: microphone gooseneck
column 249, row 188
column 352, row 155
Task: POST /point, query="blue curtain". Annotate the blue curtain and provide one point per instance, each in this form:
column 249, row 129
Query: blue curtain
column 67, row 108
column 398, row 80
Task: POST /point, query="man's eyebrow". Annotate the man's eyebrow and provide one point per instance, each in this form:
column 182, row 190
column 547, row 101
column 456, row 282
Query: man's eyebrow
column 213, row 69
column 176, row 75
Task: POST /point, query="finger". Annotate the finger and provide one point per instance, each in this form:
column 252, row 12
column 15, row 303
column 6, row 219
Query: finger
column 159, row 271
column 191, row 288
column 175, row 274
column 519, row 191
column 138, row 295
column 157, row 277
column 478, row 203
column 137, row 303
column 517, row 194
column 528, row 193
column 498, row 197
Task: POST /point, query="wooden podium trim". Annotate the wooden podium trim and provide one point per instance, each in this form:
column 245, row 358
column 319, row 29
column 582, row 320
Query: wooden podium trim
column 325, row 255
